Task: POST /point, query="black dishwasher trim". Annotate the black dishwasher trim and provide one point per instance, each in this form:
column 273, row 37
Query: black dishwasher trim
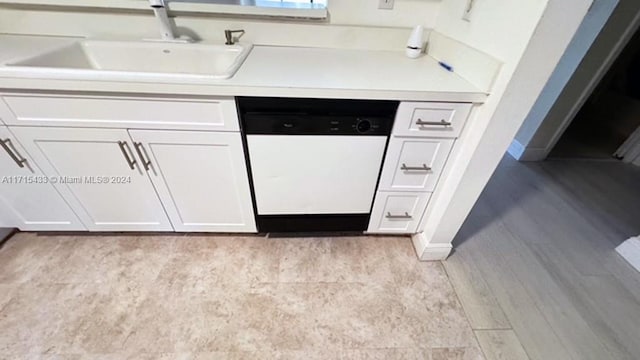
column 313, row 223
column 331, row 117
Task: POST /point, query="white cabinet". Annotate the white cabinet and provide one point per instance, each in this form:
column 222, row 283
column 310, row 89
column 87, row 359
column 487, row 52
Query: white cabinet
column 423, row 136
column 201, row 178
column 27, row 199
column 148, row 179
column 97, row 172
column 7, row 217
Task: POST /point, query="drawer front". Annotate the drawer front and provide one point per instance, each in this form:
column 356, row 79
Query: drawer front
column 414, row 164
column 120, row 112
column 431, row 119
column 397, row 213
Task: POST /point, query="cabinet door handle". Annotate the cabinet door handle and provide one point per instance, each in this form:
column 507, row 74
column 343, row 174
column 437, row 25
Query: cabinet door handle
column 424, row 167
column 124, row 147
column 442, row 122
column 5, row 145
column 405, row 216
column 140, row 150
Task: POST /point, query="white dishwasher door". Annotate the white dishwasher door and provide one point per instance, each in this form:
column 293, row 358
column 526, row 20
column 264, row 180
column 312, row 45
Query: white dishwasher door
column 308, row 174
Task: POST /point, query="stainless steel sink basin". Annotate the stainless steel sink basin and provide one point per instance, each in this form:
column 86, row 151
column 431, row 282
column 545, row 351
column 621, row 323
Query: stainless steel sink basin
column 140, row 60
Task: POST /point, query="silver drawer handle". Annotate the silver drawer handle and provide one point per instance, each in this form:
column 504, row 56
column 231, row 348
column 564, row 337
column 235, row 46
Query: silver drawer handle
column 405, row 216
column 5, row 145
column 141, row 151
column 442, row 122
column 124, row 147
column 424, row 167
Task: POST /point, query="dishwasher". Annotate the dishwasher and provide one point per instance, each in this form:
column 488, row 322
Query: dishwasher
column 315, row 163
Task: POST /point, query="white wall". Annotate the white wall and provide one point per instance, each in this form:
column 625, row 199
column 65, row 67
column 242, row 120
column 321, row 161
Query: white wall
column 529, row 36
column 500, row 28
column 406, row 13
column 352, row 23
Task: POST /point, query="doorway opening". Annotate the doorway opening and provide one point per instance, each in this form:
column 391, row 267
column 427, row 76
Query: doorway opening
column 611, row 114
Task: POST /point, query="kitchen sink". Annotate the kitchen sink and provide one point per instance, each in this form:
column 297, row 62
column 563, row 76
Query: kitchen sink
column 131, row 60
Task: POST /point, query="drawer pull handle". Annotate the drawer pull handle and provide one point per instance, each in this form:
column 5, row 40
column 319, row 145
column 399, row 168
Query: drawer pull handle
column 5, row 145
column 405, row 216
column 424, row 167
column 442, row 122
column 140, row 150
column 124, row 147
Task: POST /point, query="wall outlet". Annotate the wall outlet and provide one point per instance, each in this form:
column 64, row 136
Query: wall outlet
column 385, row 4
column 468, row 9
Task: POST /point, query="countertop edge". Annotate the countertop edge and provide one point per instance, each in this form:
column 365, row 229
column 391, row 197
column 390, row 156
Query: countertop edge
column 119, row 88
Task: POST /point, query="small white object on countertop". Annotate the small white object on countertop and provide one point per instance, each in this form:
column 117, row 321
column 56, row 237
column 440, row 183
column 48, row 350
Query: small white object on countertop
column 415, row 43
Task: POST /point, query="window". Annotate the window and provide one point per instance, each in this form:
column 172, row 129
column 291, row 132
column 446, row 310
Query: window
column 298, row 9
column 288, row 4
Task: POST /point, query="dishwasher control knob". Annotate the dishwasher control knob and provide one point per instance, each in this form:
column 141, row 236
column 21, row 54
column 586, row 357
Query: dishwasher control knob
column 363, row 126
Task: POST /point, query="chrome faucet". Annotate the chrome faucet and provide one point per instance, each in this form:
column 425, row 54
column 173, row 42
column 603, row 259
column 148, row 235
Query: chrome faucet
column 230, row 38
column 167, row 32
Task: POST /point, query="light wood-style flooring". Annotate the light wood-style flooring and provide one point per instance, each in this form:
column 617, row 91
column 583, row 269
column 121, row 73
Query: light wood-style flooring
column 535, row 268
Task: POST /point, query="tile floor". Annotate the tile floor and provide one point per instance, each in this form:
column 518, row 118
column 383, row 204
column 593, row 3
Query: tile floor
column 226, row 297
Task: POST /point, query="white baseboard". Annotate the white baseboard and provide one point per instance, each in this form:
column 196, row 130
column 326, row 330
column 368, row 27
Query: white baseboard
column 430, row 252
column 521, row 153
column 630, row 251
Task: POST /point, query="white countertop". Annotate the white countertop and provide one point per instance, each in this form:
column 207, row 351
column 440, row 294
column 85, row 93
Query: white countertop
column 270, row 71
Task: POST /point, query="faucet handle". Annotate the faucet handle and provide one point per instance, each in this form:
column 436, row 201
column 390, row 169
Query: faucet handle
column 228, row 34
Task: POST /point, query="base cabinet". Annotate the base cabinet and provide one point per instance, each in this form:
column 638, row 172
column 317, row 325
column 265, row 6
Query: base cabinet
column 147, row 180
column 201, row 178
column 423, row 136
column 86, row 169
column 27, row 200
column 97, row 172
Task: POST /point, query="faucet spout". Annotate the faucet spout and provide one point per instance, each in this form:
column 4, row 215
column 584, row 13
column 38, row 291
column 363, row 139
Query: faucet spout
column 160, row 11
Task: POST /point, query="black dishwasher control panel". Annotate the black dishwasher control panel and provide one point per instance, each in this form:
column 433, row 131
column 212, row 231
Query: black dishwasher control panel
column 292, row 116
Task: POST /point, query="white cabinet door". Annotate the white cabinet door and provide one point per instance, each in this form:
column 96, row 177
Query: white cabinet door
column 98, row 174
column 201, row 178
column 7, row 217
column 28, row 200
